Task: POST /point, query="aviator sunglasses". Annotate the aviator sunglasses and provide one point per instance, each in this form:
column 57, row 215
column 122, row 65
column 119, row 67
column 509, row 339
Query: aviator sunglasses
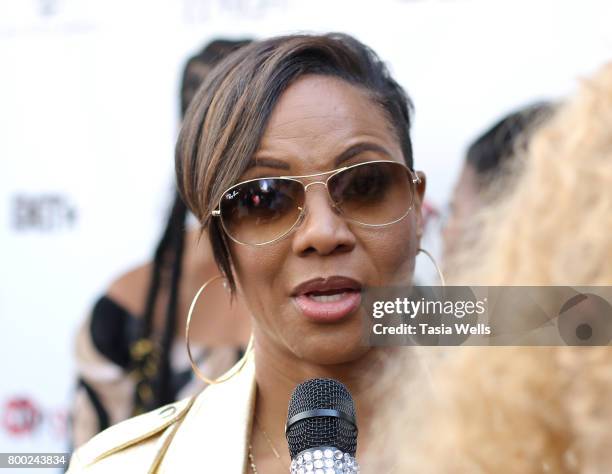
column 261, row 211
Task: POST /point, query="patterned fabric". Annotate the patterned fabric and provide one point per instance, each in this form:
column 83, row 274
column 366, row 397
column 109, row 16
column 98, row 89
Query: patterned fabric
column 105, row 387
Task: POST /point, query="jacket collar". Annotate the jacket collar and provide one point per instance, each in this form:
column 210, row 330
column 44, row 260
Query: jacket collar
column 214, row 435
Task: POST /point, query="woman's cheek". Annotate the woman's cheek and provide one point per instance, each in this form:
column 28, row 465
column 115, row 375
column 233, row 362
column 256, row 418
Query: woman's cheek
column 392, row 251
column 259, row 273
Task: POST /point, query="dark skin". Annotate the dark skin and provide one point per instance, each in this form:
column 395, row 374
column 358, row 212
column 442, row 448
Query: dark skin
column 315, row 121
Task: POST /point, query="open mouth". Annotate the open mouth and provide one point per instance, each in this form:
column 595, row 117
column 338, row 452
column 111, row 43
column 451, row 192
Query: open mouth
column 328, row 300
column 329, row 296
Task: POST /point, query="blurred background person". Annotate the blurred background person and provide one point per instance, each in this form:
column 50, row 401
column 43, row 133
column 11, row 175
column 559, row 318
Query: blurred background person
column 130, row 351
column 530, row 409
column 488, row 160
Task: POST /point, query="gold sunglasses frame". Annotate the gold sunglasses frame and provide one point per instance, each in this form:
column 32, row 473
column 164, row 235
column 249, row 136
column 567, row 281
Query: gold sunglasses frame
column 217, row 211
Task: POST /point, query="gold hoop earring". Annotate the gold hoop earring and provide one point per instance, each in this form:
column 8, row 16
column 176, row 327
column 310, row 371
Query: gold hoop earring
column 435, row 264
column 236, row 369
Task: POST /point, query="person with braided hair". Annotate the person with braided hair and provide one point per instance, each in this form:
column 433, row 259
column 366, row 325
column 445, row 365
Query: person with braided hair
column 130, row 350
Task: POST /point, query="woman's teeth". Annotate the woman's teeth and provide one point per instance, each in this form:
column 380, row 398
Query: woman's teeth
column 328, row 305
column 327, row 298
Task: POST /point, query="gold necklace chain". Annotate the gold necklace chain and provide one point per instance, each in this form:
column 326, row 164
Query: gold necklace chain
column 268, row 440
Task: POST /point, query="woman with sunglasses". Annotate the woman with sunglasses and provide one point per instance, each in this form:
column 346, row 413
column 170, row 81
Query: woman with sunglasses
column 297, row 160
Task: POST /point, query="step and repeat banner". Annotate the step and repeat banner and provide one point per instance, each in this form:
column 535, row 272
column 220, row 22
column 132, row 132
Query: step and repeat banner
column 89, row 115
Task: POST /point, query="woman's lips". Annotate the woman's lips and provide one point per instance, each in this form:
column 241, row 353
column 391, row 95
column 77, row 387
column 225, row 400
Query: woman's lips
column 330, row 307
column 328, row 299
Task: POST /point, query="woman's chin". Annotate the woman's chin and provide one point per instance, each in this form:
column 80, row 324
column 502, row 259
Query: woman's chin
column 330, row 350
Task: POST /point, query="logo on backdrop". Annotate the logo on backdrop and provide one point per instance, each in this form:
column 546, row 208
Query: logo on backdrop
column 48, row 7
column 50, row 212
column 22, row 417
column 196, row 11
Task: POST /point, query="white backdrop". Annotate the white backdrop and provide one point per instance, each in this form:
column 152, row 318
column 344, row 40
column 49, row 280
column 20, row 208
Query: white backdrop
column 88, row 119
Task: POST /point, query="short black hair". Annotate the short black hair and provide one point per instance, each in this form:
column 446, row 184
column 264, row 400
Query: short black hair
column 488, row 154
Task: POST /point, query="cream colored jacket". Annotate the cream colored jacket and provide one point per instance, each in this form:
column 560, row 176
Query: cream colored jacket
column 207, row 433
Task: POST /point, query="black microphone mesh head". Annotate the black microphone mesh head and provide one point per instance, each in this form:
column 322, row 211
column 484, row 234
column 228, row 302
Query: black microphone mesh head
column 321, row 431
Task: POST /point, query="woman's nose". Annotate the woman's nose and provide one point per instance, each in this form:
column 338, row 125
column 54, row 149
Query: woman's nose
column 323, row 231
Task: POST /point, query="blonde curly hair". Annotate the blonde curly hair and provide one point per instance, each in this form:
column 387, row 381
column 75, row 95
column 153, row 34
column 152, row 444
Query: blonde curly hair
column 553, row 228
column 528, row 409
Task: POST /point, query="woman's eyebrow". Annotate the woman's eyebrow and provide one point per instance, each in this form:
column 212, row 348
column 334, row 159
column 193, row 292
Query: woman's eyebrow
column 347, row 154
column 360, row 148
column 268, row 163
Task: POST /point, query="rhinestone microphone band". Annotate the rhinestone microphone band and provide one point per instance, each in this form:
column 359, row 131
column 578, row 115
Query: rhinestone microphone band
column 324, row 461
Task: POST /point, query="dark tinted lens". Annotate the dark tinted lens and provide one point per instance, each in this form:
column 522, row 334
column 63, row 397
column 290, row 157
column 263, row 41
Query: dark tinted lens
column 373, row 193
column 262, row 210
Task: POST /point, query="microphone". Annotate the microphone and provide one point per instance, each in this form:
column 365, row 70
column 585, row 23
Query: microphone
column 321, row 428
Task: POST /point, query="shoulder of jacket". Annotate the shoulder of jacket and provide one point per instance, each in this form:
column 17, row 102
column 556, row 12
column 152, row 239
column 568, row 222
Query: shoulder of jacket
column 130, row 432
